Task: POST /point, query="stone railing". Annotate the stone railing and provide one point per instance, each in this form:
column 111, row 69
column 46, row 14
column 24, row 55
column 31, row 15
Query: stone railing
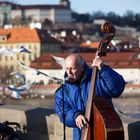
column 37, row 123
column 43, row 124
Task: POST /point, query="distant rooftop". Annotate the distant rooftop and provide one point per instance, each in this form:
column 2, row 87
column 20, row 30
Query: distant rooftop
column 113, row 59
column 32, row 6
column 20, row 35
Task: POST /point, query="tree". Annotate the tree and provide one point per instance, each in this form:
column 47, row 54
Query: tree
column 4, row 78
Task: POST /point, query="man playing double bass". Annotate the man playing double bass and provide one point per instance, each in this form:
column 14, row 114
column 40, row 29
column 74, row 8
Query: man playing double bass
column 71, row 98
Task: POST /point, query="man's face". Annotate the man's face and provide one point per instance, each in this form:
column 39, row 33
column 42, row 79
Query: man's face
column 73, row 70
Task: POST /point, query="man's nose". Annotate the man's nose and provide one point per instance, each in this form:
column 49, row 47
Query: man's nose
column 69, row 71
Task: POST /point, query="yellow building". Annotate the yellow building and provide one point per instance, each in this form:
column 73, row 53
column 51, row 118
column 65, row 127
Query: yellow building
column 14, row 38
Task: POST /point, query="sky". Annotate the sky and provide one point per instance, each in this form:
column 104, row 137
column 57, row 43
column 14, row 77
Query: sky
column 89, row 6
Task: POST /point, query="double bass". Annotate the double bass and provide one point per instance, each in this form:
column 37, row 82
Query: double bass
column 104, row 122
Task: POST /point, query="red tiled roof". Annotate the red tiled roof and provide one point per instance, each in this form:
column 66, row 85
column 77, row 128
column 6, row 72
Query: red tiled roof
column 91, row 45
column 114, row 59
column 20, row 35
column 46, row 61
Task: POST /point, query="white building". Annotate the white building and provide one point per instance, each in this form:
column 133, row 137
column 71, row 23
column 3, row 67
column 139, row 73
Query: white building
column 35, row 13
column 119, row 61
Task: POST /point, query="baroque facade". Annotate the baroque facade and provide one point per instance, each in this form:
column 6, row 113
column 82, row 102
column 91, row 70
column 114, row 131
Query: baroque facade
column 11, row 12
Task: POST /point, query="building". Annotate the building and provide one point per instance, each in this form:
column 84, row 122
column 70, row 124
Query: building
column 35, row 40
column 47, row 65
column 14, row 38
column 49, row 42
column 11, row 12
column 125, row 63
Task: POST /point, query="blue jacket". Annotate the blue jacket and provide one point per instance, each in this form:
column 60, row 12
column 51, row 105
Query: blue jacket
column 108, row 84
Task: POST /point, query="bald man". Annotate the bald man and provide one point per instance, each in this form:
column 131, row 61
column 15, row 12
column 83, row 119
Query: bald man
column 76, row 89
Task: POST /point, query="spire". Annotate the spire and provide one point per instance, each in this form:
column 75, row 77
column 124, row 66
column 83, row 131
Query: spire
column 65, row 3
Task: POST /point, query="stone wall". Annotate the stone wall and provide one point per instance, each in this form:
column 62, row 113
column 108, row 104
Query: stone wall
column 39, row 123
column 43, row 124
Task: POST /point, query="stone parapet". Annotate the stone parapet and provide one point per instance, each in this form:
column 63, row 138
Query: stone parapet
column 43, row 124
column 40, row 123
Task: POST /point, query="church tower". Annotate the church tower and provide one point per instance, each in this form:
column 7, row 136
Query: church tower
column 65, row 3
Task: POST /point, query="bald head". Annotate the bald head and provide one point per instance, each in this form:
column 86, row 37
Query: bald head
column 76, row 59
column 74, row 66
